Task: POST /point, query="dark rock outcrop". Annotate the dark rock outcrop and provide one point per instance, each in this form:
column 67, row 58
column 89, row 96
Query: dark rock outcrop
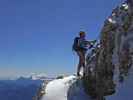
column 113, row 55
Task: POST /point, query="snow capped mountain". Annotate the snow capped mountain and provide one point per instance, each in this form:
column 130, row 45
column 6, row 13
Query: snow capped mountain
column 38, row 76
column 35, row 76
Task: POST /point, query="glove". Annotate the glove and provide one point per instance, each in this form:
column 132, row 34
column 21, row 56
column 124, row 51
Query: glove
column 90, row 46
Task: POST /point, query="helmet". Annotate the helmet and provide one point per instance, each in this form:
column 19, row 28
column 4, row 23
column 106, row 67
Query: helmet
column 81, row 33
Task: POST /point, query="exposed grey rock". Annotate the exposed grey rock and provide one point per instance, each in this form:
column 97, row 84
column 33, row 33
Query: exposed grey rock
column 115, row 52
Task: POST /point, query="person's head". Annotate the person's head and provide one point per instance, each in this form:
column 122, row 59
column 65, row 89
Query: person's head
column 82, row 34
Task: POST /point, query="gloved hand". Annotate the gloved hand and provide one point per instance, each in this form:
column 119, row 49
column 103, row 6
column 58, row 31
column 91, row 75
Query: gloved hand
column 90, row 46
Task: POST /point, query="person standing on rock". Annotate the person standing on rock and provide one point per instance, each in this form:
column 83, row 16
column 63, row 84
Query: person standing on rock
column 80, row 46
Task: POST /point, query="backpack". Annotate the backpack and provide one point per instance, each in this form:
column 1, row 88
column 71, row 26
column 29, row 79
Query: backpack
column 75, row 46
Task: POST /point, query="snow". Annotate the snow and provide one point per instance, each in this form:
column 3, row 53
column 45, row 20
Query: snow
column 68, row 88
column 125, row 6
column 112, row 21
column 41, row 76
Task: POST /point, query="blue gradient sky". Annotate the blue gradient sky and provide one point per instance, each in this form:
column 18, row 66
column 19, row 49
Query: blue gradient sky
column 36, row 35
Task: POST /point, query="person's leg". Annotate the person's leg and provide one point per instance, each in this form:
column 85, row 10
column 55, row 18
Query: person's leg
column 79, row 67
column 84, row 62
column 81, row 61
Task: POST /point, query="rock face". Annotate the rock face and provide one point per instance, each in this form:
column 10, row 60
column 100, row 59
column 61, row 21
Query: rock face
column 112, row 60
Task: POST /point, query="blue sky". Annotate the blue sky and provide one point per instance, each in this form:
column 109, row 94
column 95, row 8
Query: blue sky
column 36, row 35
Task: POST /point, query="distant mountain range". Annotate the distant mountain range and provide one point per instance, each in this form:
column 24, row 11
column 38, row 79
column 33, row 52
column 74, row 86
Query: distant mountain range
column 23, row 88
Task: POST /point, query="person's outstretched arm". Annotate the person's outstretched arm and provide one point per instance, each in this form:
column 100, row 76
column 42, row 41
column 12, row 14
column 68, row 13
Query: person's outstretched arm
column 91, row 43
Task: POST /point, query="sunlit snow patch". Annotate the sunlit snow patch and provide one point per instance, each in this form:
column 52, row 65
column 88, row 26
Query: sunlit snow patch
column 125, row 6
column 111, row 21
column 68, row 88
column 57, row 89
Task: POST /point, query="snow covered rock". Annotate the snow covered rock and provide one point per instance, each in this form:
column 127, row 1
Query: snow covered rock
column 68, row 88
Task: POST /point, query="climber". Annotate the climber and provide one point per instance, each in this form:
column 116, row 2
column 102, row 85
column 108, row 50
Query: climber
column 80, row 46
